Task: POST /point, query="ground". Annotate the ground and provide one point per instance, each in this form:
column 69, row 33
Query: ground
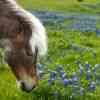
column 64, row 48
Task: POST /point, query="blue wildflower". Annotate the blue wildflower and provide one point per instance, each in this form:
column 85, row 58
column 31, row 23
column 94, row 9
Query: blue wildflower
column 63, row 76
column 74, row 78
column 59, row 68
column 50, row 82
column 98, row 31
column 80, row 68
column 40, row 70
column 52, row 77
column 92, row 86
column 61, row 73
column 40, row 74
column 75, row 85
column 75, row 90
column 39, row 66
column 95, row 68
column 70, row 81
column 87, row 66
column 81, row 91
column 65, row 82
column 88, row 75
column 96, row 71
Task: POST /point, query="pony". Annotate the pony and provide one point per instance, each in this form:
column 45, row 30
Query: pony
column 24, row 40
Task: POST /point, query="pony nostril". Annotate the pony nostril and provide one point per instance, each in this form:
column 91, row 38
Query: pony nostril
column 26, row 87
column 23, row 86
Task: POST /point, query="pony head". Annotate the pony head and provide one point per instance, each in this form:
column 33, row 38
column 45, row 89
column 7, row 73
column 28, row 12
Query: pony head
column 23, row 38
column 23, row 67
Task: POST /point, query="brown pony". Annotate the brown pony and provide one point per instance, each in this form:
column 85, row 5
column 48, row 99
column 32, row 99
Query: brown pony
column 23, row 38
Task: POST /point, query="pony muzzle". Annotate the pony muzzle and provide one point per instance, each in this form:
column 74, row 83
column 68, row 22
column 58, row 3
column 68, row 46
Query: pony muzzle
column 26, row 85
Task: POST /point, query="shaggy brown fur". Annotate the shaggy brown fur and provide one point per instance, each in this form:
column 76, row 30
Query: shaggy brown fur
column 16, row 31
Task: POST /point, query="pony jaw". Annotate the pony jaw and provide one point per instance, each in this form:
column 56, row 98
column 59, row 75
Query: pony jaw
column 26, row 84
column 26, row 78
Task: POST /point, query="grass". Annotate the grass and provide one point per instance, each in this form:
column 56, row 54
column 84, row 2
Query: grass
column 9, row 90
column 60, row 5
column 64, row 48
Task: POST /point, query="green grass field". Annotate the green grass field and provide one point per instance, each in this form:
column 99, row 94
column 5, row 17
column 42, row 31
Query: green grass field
column 59, row 5
column 59, row 43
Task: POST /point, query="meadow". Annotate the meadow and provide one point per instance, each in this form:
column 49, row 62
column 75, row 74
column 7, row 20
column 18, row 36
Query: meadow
column 70, row 70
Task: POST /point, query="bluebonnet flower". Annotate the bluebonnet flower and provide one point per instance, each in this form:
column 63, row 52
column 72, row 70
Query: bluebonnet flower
column 52, row 78
column 87, row 66
column 40, row 74
column 88, row 75
column 95, row 68
column 70, row 81
column 81, row 91
column 65, row 82
column 96, row 71
column 74, row 77
column 49, row 61
column 80, row 68
column 59, row 68
column 75, row 85
column 50, row 82
column 92, row 86
column 75, row 90
column 40, row 70
column 39, row 66
column 98, row 31
column 63, row 76
column 52, row 75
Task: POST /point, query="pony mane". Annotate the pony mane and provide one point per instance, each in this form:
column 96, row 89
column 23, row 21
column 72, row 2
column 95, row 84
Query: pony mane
column 38, row 38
